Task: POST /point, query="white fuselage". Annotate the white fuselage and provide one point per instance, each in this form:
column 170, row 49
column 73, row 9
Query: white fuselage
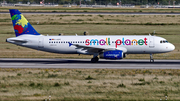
column 128, row 43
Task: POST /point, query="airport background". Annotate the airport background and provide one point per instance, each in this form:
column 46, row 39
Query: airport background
column 98, row 2
column 90, row 84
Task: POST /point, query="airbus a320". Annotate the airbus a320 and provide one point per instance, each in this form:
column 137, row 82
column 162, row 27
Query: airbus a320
column 105, row 46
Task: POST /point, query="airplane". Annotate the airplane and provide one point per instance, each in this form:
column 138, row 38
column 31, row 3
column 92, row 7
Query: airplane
column 111, row 47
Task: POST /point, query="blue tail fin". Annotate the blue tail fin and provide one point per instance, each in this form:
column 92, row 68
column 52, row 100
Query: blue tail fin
column 20, row 24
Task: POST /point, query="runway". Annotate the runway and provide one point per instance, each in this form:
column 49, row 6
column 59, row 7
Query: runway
column 86, row 64
column 97, row 13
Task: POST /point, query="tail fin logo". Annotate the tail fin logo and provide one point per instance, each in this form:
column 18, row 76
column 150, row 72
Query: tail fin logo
column 20, row 23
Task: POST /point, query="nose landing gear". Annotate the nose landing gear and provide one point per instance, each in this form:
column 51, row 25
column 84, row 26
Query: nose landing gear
column 151, row 58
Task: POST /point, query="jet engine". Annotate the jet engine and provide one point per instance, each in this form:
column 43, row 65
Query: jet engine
column 113, row 54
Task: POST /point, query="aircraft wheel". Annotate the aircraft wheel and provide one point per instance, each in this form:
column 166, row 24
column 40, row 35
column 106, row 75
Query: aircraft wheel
column 152, row 60
column 94, row 60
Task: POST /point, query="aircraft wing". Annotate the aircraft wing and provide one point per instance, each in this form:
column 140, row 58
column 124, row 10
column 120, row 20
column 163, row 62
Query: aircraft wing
column 94, row 49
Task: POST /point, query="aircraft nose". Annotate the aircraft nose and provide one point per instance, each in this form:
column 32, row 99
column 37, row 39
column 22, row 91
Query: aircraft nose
column 172, row 47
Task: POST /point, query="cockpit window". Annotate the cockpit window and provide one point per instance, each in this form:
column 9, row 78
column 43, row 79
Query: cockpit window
column 163, row 41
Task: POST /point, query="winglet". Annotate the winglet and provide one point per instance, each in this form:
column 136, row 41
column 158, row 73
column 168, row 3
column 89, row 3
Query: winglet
column 70, row 44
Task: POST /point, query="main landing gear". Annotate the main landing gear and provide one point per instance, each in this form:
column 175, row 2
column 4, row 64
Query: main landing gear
column 94, row 59
column 151, row 58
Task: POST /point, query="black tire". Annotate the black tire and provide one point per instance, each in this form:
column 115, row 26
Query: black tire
column 97, row 59
column 94, row 60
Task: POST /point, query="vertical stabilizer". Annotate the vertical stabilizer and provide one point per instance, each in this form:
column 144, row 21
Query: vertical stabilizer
column 20, row 24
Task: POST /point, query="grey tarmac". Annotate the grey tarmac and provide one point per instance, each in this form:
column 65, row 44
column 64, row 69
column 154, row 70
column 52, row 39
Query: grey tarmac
column 86, row 64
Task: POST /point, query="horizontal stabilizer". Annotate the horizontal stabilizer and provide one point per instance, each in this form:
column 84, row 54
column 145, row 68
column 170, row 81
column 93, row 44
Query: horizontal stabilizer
column 16, row 40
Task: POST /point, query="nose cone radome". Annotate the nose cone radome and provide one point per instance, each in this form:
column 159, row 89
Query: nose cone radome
column 171, row 47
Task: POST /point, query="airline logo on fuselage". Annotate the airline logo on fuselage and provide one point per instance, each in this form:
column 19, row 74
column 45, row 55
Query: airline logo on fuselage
column 118, row 42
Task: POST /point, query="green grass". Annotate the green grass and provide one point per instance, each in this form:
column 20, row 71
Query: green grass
column 77, row 9
column 107, row 84
column 97, row 19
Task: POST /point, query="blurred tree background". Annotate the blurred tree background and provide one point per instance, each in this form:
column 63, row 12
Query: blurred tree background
column 100, row 2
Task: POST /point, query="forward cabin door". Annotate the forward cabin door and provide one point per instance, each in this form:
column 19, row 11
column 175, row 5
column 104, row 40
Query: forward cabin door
column 151, row 42
column 40, row 44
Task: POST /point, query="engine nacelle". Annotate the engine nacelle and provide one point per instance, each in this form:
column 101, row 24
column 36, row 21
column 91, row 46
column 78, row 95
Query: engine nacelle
column 114, row 54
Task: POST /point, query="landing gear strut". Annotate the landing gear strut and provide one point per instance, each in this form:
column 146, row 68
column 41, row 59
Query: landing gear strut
column 94, row 59
column 151, row 58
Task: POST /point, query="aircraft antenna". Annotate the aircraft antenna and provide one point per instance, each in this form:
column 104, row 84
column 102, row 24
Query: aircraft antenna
column 154, row 32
